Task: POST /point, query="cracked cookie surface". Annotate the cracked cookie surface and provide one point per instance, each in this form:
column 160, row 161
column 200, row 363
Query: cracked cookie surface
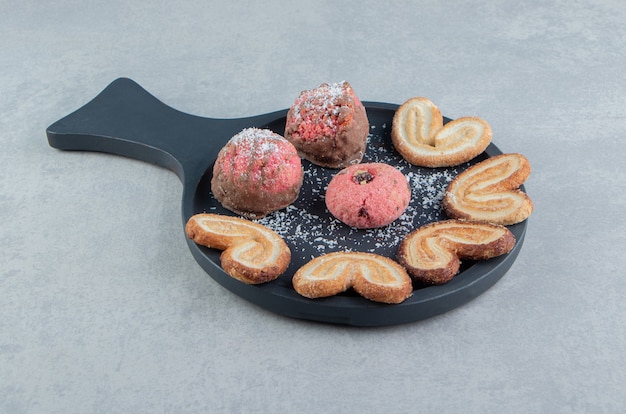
column 368, row 195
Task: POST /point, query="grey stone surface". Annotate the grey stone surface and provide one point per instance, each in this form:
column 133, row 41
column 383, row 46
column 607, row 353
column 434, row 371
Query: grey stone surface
column 104, row 310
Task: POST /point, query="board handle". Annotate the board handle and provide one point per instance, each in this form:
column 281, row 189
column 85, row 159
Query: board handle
column 124, row 119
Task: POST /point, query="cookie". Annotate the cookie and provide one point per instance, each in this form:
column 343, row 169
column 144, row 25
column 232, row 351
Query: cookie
column 489, row 191
column 252, row 253
column 328, row 125
column 372, row 276
column 368, row 195
column 432, row 254
column 419, row 135
column 257, row 172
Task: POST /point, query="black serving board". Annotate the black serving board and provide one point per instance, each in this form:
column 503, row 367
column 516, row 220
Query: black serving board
column 124, row 119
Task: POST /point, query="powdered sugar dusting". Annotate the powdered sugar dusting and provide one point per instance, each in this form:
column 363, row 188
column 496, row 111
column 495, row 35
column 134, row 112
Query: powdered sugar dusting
column 311, row 230
column 323, row 97
column 262, row 140
column 322, row 104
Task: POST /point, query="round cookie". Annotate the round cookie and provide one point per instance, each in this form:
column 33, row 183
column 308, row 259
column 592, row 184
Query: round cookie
column 328, row 125
column 368, row 195
column 257, row 172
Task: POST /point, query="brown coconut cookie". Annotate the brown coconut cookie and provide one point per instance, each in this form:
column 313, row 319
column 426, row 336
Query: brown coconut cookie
column 257, row 172
column 328, row 125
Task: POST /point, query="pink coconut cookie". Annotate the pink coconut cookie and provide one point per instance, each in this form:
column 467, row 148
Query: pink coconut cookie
column 328, row 125
column 257, row 172
column 368, row 195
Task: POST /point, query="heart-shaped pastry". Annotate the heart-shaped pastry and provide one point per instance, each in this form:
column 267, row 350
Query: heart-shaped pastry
column 489, row 191
column 419, row 135
column 252, row 253
column 432, row 254
column 372, row 276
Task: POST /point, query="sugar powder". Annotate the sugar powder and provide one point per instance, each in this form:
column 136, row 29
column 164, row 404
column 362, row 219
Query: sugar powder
column 311, row 230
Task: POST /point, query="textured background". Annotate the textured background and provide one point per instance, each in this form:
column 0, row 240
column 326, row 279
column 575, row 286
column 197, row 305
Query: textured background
column 104, row 310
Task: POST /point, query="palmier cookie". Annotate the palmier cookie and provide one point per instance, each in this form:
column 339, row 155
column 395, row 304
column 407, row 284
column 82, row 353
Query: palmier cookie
column 432, row 254
column 419, row 135
column 372, row 276
column 252, row 253
column 489, row 191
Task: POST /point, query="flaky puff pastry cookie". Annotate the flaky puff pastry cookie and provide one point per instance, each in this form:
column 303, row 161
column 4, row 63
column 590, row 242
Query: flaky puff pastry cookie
column 252, row 253
column 489, row 191
column 419, row 135
column 432, row 254
column 372, row 276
